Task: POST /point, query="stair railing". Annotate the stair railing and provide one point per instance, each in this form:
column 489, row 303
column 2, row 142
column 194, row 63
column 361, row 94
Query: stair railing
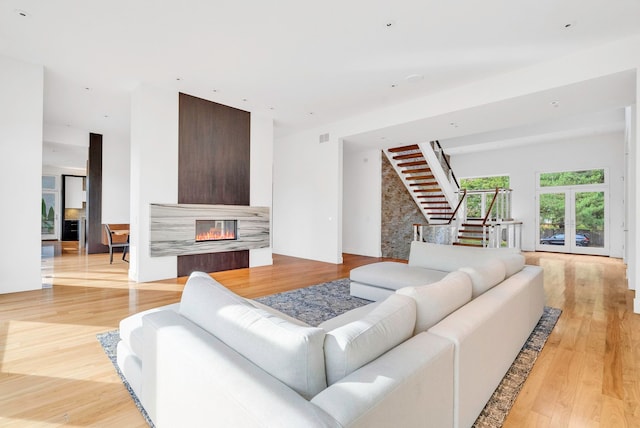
column 493, row 201
column 442, row 156
column 460, row 203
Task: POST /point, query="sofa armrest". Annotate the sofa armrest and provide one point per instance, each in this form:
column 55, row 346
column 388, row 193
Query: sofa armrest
column 488, row 333
column 409, row 386
column 193, row 379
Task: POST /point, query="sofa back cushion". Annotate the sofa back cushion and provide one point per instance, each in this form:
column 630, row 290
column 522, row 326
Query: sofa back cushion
column 435, row 301
column 513, row 263
column 355, row 344
column 450, row 258
column 485, row 276
column 289, row 352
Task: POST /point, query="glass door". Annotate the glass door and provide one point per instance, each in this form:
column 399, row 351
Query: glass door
column 552, row 212
column 573, row 221
column 589, row 216
column 49, row 208
column 49, row 219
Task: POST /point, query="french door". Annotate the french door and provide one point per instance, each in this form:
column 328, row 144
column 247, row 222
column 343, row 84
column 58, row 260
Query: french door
column 573, row 219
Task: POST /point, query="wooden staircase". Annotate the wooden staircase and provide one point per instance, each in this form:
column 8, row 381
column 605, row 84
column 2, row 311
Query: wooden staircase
column 472, row 233
column 426, row 173
column 413, row 167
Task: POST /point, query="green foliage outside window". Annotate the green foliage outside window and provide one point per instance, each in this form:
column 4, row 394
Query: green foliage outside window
column 485, row 183
column 474, row 202
column 572, row 178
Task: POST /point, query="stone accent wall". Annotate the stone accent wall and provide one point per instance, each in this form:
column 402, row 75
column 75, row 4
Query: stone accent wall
column 399, row 213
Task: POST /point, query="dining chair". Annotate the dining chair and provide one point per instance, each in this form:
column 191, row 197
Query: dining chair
column 112, row 245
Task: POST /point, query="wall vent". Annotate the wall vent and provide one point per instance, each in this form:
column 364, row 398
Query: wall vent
column 324, row 138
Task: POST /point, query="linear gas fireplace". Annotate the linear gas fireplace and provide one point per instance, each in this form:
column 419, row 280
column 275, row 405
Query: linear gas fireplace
column 216, row 230
column 174, row 228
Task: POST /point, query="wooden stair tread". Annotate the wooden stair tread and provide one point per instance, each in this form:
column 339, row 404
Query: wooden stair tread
column 427, row 183
column 466, row 245
column 414, row 170
column 470, row 238
column 426, row 190
column 420, row 177
column 414, row 163
column 408, row 156
column 404, row 148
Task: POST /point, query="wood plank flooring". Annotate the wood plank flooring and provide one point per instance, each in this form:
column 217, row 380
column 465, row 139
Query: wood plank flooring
column 53, row 371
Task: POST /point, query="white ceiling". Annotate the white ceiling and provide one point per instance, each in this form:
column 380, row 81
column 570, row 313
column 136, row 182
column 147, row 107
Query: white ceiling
column 304, row 63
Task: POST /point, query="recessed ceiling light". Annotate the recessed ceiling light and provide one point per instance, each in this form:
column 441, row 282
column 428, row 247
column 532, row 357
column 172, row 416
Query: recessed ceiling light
column 87, row 88
column 272, row 108
column 215, row 90
column 555, row 103
column 393, row 85
column 453, row 124
column 390, row 23
column 413, row 78
column 244, row 99
column 106, row 116
column 178, row 78
column 22, row 13
column 310, row 113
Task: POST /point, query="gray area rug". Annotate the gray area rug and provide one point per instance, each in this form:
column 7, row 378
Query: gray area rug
column 321, row 302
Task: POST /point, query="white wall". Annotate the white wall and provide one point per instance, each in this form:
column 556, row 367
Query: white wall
column 261, row 176
column 307, row 197
column 21, row 115
column 154, row 175
column 361, row 208
column 116, row 155
column 65, row 135
column 306, row 193
column 523, row 162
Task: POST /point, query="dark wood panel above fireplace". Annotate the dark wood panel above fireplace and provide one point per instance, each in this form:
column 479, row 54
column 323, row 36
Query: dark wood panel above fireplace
column 214, row 153
column 213, row 168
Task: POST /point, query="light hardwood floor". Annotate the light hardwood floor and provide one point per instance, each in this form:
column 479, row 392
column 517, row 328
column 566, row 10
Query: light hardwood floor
column 53, row 371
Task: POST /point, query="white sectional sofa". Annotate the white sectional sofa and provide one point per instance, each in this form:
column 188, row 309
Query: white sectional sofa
column 428, row 355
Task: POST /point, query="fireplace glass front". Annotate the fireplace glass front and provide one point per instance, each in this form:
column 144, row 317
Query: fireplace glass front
column 216, row 230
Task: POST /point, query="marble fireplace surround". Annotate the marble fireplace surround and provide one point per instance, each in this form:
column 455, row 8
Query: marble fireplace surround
column 173, row 228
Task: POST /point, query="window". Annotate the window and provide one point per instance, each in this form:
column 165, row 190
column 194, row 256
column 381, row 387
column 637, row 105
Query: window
column 476, row 201
column 572, row 178
column 485, row 183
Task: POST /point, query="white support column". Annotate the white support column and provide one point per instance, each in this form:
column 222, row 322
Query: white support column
column 21, row 106
column 154, row 175
column 634, row 233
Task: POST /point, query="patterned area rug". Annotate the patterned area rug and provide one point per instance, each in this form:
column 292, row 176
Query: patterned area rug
column 321, row 302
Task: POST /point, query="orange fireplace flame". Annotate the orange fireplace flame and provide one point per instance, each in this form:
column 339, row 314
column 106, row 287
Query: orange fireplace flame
column 215, row 234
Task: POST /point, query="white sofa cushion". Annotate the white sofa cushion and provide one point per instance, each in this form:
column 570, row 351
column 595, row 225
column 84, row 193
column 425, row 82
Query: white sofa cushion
column 353, row 345
column 485, row 276
column 289, row 352
column 435, row 301
column 513, row 263
column 349, row 316
column 452, row 257
column 394, row 275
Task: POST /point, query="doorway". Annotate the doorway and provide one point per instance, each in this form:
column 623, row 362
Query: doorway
column 572, row 212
